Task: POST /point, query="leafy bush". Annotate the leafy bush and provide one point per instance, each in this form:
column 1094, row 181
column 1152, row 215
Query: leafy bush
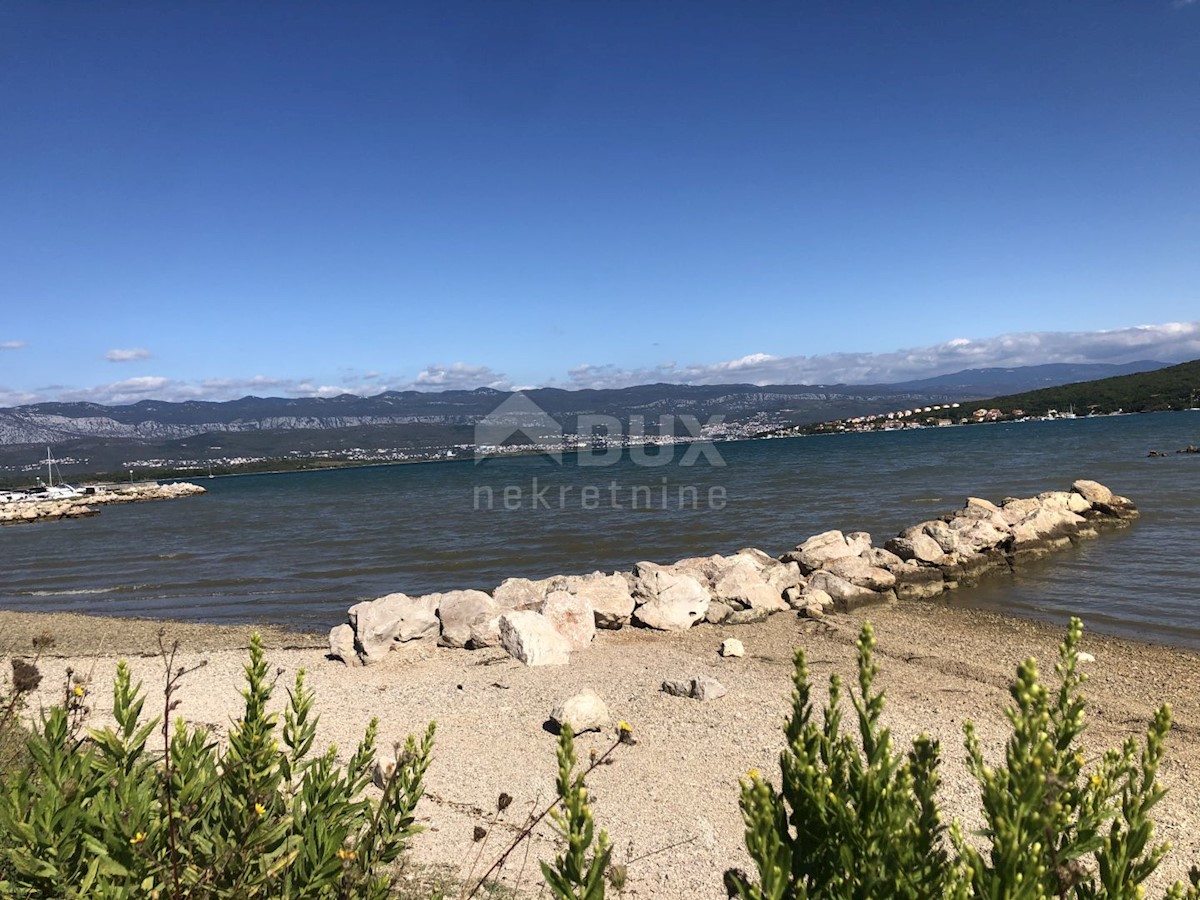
column 857, row 823
column 103, row 816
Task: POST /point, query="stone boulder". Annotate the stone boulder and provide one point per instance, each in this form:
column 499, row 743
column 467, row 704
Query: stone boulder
column 818, row 550
column 698, row 687
column 917, row 582
column 705, row 569
column 859, row 572
column 460, row 611
column 609, row 595
column 977, row 535
column 583, row 712
column 529, row 637
column 859, row 542
column 732, row 647
column 717, row 612
column 742, row 586
column 884, row 559
column 1092, row 491
column 945, row 536
column 341, row 644
column 521, row 593
column 844, row 593
column 394, row 618
column 669, row 601
column 572, row 617
column 749, row 616
column 920, row 547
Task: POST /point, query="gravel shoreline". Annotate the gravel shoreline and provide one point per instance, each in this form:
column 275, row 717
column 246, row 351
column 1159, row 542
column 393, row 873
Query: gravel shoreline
column 669, row 803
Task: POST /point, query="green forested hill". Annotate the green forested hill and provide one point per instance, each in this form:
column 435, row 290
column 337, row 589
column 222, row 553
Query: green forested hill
column 1176, row 387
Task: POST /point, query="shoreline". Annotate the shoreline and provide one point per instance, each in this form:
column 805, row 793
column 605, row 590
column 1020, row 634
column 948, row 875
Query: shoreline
column 674, row 794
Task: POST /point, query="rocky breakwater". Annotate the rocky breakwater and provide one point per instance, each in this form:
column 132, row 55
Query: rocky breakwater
column 541, row 622
column 33, row 510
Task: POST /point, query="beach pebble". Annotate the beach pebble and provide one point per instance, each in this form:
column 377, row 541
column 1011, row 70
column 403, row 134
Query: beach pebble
column 698, row 687
column 732, row 647
column 583, row 712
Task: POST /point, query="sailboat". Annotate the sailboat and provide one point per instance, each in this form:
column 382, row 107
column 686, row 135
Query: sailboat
column 50, row 490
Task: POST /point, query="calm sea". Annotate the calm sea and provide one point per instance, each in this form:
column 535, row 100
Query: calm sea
column 298, row 549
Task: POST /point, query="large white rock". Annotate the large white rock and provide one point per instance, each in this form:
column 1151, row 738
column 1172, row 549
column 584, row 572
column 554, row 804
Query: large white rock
column 859, row 572
column 858, row 542
column 527, row 636
column 820, row 549
column 392, row 619
column 583, row 712
column 670, row 602
column 1052, row 525
column 609, row 595
column 521, row 593
column 460, row 611
column 944, row 534
column 341, row 644
column 1092, row 491
column 705, row 569
column 572, row 617
column 920, row 547
column 743, row 587
column 977, row 535
column 884, row 559
column 840, row 589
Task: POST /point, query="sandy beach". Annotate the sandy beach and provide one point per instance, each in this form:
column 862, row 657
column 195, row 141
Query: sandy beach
column 669, row 803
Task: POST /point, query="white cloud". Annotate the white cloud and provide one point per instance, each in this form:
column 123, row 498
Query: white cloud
column 11, row 345
column 132, row 355
column 459, row 376
column 1170, row 342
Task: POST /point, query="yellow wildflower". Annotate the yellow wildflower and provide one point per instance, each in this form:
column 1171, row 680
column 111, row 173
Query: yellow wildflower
column 137, row 838
column 344, row 853
column 260, row 809
column 754, row 774
column 79, row 691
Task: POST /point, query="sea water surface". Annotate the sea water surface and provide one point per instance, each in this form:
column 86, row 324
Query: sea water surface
column 298, row 549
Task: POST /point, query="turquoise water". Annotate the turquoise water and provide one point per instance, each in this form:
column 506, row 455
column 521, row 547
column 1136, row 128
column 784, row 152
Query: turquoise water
column 300, row 548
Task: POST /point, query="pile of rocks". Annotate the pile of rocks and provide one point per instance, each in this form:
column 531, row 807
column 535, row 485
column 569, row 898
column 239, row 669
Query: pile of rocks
column 24, row 511
column 136, row 493
column 40, row 510
column 541, row 622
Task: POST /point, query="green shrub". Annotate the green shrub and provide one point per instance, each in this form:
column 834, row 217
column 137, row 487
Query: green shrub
column 859, row 823
column 845, row 823
column 103, row 816
column 578, row 873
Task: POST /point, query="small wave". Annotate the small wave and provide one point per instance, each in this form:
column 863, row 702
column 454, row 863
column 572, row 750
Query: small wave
column 79, row 592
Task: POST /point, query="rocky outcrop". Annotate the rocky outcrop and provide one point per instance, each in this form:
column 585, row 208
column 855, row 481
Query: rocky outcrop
column 34, row 510
column 540, row 622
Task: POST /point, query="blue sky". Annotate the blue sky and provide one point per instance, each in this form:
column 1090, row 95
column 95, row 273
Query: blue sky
column 214, row 199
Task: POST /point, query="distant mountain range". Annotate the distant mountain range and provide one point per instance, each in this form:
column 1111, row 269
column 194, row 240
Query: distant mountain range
column 107, row 436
